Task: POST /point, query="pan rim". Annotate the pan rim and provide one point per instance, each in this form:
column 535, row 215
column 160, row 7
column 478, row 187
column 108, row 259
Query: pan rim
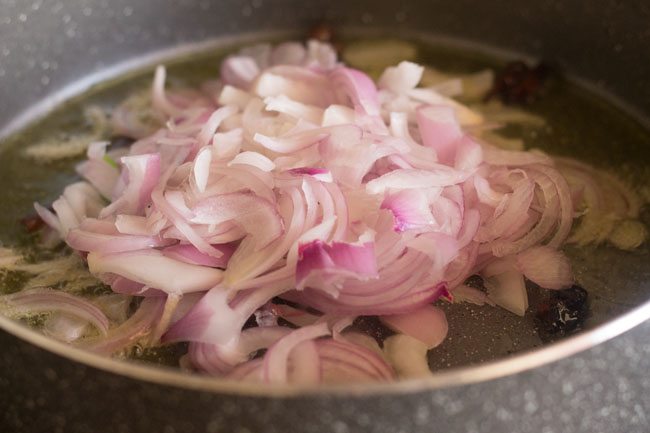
column 442, row 379
column 466, row 375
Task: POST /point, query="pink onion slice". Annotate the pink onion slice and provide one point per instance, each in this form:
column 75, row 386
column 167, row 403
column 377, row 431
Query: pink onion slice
column 250, row 371
column 253, row 214
column 320, row 264
column 412, row 179
column 247, row 263
column 190, row 254
column 153, row 269
column 292, row 143
column 343, row 361
column 220, row 359
column 410, row 208
column 127, row 287
column 83, row 240
column 358, row 87
column 293, row 186
column 239, row 71
column 217, row 320
column 440, row 130
column 321, row 174
column 100, row 174
column 305, row 365
column 293, row 315
column 160, row 100
column 143, row 175
column 545, row 266
column 275, row 369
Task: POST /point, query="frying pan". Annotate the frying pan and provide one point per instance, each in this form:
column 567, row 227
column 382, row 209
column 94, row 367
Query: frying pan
column 596, row 381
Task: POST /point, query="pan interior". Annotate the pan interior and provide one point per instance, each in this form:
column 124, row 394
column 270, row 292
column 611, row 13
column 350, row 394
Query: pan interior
column 578, row 124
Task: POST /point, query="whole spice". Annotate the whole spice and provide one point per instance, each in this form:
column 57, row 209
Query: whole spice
column 519, row 83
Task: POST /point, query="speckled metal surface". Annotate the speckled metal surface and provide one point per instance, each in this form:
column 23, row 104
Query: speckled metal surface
column 603, row 390
column 46, row 45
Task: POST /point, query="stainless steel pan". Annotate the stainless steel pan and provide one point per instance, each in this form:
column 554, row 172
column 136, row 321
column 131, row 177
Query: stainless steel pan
column 594, row 382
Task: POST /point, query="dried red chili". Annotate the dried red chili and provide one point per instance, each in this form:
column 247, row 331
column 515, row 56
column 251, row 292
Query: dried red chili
column 322, row 32
column 564, row 313
column 32, row 223
column 518, row 83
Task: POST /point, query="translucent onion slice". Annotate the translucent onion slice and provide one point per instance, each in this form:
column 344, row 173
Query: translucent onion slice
column 309, row 184
column 41, row 300
column 427, row 324
column 153, row 269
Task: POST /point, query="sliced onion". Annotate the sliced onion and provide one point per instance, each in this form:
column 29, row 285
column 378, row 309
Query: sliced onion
column 323, row 264
column 41, row 300
column 294, row 315
column 65, row 328
column 440, row 130
column 321, row 174
column 125, row 286
column 153, row 269
column 190, row 254
column 358, row 87
column 129, row 332
column 427, row 324
column 255, row 159
column 100, row 174
column 305, row 364
column 143, row 175
column 83, row 240
column 208, row 130
column 253, row 214
column 220, row 359
column 48, row 217
column 411, row 179
column 216, row 320
column 545, row 266
column 275, row 369
column 295, row 187
column 250, row 371
column 343, row 361
column 506, row 286
column 282, row 104
column 202, row 168
column 410, row 208
column 239, row 71
column 159, row 99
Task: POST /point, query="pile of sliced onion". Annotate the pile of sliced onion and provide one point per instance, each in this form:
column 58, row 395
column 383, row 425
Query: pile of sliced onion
column 296, row 188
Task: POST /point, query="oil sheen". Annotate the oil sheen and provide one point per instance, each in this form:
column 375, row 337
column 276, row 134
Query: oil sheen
column 577, row 124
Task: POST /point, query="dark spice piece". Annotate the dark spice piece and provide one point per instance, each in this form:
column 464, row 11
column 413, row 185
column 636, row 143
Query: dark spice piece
column 564, row 313
column 32, row 223
column 520, row 84
column 321, row 32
